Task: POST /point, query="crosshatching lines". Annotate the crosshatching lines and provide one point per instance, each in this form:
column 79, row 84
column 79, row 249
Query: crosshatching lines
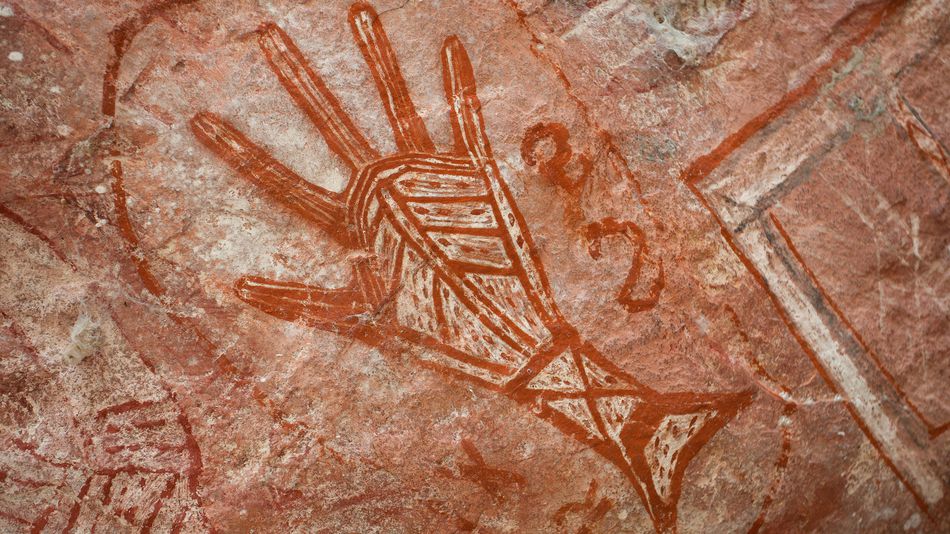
column 447, row 263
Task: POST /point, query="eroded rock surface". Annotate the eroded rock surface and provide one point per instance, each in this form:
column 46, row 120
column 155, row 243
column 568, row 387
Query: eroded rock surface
column 482, row 266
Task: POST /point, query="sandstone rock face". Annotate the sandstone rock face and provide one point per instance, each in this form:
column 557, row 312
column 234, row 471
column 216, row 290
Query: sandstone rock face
column 478, row 266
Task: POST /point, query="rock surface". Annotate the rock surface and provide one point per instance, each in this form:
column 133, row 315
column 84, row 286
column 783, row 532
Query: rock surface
column 478, row 266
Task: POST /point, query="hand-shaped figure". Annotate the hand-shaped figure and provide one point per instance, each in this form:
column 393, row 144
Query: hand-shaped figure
column 447, row 263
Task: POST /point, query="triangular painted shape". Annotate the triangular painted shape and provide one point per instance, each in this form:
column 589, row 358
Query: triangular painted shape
column 559, row 375
column 662, row 451
column 597, row 377
column 614, row 412
column 577, row 411
column 663, row 434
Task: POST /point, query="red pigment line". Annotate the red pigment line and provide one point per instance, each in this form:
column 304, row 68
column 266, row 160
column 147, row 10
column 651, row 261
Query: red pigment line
column 146, row 424
column 27, row 481
column 20, row 336
column 781, row 464
column 314, row 98
column 931, row 428
column 492, row 480
column 121, row 39
column 595, row 233
column 597, row 514
column 42, row 520
column 114, row 449
column 408, row 128
column 194, row 452
column 195, row 467
column 704, row 165
column 816, row 362
column 754, row 362
column 594, row 512
column 936, row 431
column 74, row 512
column 129, row 514
column 44, row 31
column 124, row 224
column 179, row 523
column 588, row 398
column 166, row 493
column 170, row 447
column 358, row 499
column 426, row 243
column 585, row 110
column 20, row 221
column 914, row 124
column 123, row 408
column 132, row 469
column 31, row 449
column 107, row 491
column 14, row 518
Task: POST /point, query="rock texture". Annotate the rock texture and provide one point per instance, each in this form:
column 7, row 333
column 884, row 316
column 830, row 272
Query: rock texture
column 477, row 266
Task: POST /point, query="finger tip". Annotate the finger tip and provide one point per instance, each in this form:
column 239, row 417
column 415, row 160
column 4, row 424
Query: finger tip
column 452, row 42
column 240, row 282
column 200, row 119
column 243, row 287
column 455, row 56
column 360, row 8
column 267, row 33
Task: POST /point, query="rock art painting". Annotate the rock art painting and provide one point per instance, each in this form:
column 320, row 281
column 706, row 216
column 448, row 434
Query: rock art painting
column 481, row 266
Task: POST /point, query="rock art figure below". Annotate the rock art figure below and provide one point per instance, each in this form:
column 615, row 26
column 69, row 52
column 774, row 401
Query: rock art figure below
column 448, row 264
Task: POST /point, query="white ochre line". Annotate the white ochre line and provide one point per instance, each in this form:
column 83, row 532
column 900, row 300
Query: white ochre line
column 838, row 364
